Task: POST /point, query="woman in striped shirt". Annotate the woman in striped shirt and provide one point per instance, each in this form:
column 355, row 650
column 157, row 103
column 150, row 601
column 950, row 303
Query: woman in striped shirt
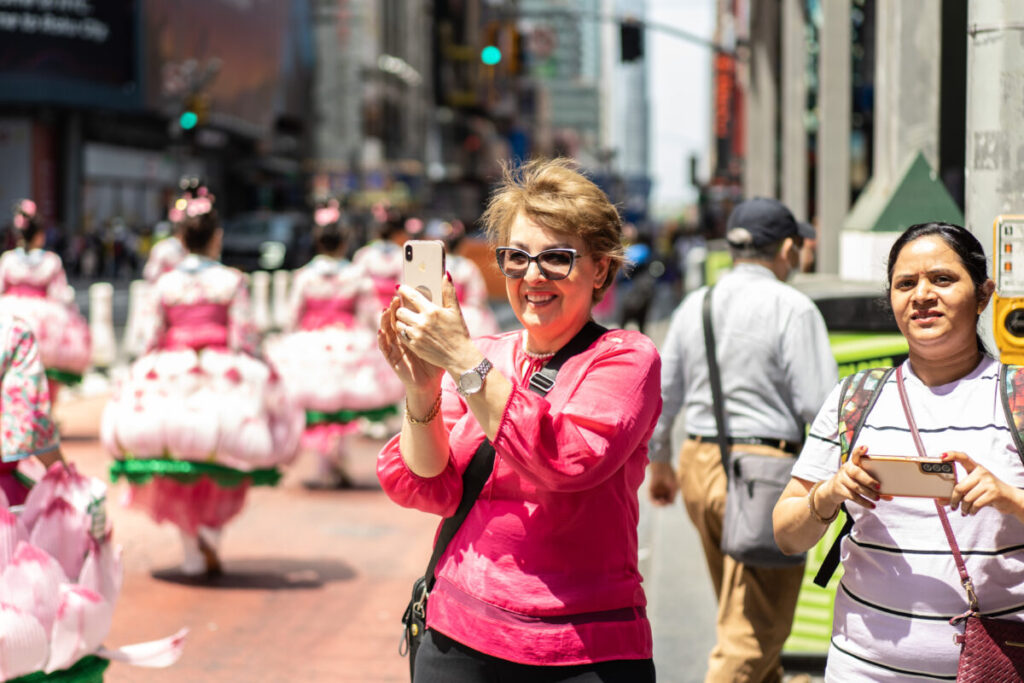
column 900, row 586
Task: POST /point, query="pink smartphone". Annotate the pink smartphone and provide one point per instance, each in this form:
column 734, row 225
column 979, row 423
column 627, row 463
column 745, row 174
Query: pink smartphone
column 915, row 477
column 423, row 267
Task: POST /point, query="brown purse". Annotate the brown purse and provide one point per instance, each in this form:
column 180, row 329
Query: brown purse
column 991, row 649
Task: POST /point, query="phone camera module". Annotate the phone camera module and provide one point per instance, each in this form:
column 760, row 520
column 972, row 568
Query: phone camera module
column 946, row 467
column 408, row 252
column 927, row 467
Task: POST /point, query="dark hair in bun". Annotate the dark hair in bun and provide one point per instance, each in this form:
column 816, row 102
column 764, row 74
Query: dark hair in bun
column 28, row 230
column 329, row 238
column 198, row 231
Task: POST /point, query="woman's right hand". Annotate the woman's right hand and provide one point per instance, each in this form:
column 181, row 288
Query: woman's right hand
column 851, row 482
column 415, row 373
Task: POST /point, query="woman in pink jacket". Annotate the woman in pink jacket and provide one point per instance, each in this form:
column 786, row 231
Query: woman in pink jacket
column 541, row 580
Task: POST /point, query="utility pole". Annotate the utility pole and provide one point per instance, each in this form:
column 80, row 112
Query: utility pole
column 995, row 122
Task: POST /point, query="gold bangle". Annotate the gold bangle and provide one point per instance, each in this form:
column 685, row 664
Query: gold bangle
column 814, row 513
column 429, row 416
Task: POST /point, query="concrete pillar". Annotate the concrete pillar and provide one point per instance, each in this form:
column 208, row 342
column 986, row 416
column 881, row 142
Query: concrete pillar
column 141, row 305
column 760, row 174
column 101, row 324
column 995, row 123
column 908, row 57
column 261, row 300
column 834, row 103
column 281, row 281
column 794, row 106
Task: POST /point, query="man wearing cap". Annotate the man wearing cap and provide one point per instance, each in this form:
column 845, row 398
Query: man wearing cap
column 776, row 369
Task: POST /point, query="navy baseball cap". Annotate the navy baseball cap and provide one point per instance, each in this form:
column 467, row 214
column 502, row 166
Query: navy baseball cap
column 760, row 221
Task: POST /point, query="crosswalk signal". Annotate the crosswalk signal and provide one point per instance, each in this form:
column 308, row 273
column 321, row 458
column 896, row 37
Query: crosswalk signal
column 188, row 120
column 631, row 41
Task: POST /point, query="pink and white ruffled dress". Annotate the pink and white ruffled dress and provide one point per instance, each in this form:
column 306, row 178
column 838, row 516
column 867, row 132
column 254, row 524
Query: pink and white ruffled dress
column 198, row 419
column 330, row 363
column 34, row 287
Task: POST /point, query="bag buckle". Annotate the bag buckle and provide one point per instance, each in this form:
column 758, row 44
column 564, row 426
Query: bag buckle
column 972, row 598
column 541, row 383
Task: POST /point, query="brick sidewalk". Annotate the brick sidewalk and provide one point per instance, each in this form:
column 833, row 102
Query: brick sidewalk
column 315, row 585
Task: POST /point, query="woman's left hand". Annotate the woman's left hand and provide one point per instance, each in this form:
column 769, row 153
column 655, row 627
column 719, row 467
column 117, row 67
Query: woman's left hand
column 982, row 489
column 435, row 334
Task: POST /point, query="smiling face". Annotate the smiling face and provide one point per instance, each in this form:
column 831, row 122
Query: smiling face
column 934, row 299
column 552, row 311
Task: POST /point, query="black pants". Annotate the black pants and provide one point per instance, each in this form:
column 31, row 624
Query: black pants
column 443, row 660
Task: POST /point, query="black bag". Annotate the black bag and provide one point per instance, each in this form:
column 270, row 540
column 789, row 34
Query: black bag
column 473, row 480
column 754, row 482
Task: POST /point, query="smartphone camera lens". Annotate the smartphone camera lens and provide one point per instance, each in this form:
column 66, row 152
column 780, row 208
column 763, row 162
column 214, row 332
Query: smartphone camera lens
column 927, row 467
column 408, row 252
column 947, row 468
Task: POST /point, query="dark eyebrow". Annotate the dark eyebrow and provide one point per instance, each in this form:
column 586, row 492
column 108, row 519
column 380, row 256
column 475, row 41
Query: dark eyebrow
column 557, row 245
column 930, row 273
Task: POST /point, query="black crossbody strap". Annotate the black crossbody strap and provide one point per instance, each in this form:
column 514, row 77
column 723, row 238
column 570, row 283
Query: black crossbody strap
column 717, row 399
column 473, row 480
column 543, row 380
column 480, row 467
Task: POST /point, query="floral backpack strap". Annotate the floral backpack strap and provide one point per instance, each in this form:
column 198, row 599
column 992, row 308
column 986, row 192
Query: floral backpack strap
column 1011, row 394
column 856, row 399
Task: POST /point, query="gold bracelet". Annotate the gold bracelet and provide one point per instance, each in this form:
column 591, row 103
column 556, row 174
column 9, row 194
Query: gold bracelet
column 814, row 513
column 430, row 415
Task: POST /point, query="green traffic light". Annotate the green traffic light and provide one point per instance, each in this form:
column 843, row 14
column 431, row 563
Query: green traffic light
column 490, row 55
column 188, row 120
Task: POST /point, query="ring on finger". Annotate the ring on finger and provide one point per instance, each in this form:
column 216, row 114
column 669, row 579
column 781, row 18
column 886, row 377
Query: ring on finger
column 405, row 335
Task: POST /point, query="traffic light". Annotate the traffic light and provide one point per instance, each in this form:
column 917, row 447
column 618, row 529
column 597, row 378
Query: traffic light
column 631, row 41
column 490, row 55
column 193, row 112
column 188, row 120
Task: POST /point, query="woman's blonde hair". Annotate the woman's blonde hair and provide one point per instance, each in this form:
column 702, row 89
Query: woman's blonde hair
column 555, row 195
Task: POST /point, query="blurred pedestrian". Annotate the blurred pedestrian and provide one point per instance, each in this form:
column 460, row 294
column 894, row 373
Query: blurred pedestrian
column 199, row 419
column 328, row 359
column 897, row 606
column 776, row 368
column 541, row 582
column 34, row 287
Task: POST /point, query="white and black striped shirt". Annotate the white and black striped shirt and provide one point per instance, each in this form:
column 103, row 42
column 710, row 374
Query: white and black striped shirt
column 900, row 587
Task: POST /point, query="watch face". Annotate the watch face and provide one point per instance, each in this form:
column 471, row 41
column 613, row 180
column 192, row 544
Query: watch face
column 471, row 382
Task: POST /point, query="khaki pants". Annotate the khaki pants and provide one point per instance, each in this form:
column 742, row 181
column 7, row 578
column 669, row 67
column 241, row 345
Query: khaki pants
column 755, row 604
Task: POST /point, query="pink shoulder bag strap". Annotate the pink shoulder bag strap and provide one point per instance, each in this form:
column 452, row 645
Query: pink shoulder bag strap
column 991, row 649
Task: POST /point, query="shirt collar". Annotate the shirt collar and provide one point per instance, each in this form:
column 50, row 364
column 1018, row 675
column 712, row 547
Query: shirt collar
column 753, row 269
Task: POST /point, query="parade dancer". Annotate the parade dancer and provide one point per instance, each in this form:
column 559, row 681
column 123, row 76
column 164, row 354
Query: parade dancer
column 199, row 420
column 329, row 361
column 34, row 287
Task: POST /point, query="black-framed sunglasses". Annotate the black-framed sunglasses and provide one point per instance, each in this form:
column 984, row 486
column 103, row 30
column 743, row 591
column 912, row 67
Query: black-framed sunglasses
column 554, row 264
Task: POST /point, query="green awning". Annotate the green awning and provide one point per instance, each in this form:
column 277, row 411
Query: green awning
column 917, row 197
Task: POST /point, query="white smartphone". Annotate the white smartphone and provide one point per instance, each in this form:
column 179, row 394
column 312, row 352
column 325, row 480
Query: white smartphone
column 915, row 477
column 423, row 267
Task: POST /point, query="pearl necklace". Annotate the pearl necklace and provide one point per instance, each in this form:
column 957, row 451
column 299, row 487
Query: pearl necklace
column 538, row 356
